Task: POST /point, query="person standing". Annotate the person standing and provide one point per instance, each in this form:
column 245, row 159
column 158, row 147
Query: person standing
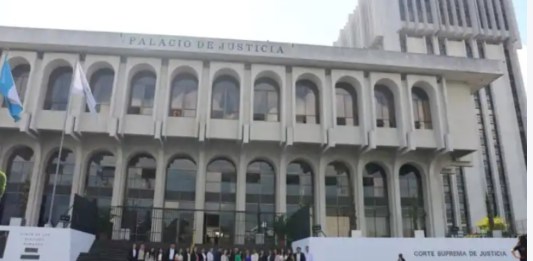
column 171, row 253
column 255, row 256
column 299, row 256
column 400, row 257
column 160, row 255
column 179, row 255
column 210, row 256
column 521, row 248
column 151, row 255
column 308, row 255
column 132, row 256
column 288, row 255
column 141, row 253
column 238, row 256
column 224, row 256
column 262, row 256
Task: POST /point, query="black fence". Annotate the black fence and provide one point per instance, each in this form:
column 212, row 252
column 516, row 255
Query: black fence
column 144, row 224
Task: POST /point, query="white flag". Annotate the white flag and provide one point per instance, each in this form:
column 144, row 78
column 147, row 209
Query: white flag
column 80, row 86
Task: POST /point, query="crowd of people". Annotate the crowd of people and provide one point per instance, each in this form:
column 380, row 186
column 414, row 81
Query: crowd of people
column 143, row 253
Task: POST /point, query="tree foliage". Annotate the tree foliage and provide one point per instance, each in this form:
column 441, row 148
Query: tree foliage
column 3, row 180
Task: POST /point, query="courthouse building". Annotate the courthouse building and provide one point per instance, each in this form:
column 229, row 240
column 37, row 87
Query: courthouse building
column 406, row 124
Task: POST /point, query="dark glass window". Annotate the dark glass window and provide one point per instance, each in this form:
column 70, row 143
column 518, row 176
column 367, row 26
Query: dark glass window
column 142, row 93
column 181, row 180
column 65, row 175
column 266, row 100
column 184, row 96
column 340, row 208
column 307, row 102
column 300, row 190
column 225, row 98
column 260, row 201
column 220, row 198
column 376, row 201
column 346, row 104
column 421, row 109
column 385, row 111
column 412, row 200
column 58, row 91
column 18, row 172
column 102, row 89
column 139, row 196
column 99, row 187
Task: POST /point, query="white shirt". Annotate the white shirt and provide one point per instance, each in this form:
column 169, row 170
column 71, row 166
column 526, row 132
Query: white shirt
column 255, row 257
column 308, row 257
column 179, row 257
column 210, row 256
column 171, row 254
column 224, row 258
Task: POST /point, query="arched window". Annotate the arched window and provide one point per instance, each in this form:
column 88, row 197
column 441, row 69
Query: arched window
column 340, row 208
column 385, row 112
column 376, row 201
column 58, row 90
column 260, row 200
column 266, row 100
column 225, row 98
column 142, row 93
column 102, row 89
column 184, row 96
column 178, row 215
column 20, row 76
column 99, row 187
column 346, row 104
column 139, row 198
column 412, row 200
column 300, row 186
column 421, row 109
column 220, row 198
column 307, row 103
column 63, row 188
column 18, row 171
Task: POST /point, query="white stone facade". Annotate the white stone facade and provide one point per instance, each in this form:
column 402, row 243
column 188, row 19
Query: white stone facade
column 480, row 29
column 447, row 82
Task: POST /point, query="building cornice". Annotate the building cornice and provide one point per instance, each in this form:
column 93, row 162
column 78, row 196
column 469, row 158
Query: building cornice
column 476, row 73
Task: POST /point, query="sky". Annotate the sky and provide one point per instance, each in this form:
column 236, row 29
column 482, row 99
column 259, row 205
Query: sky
column 293, row 21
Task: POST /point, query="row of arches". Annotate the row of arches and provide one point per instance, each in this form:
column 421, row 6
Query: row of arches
column 225, row 97
column 220, row 189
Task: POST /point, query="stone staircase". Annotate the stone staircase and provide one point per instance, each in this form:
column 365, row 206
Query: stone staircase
column 107, row 250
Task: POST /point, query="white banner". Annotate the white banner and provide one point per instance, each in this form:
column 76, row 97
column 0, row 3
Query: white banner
column 40, row 243
column 412, row 249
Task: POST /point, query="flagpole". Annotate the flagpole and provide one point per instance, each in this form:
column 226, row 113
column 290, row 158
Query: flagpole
column 62, row 141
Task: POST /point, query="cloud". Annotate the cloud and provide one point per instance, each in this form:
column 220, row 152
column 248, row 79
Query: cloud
column 522, row 58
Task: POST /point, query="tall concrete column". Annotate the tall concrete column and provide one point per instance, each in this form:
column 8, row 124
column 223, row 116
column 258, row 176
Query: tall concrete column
column 359, row 196
column 455, row 199
column 159, row 197
column 241, row 198
column 281, row 185
column 320, row 198
column 32, row 209
column 117, row 199
column 433, row 202
column 395, row 203
column 200, row 197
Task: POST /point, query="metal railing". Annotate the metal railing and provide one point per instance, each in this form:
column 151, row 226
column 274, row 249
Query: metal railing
column 146, row 224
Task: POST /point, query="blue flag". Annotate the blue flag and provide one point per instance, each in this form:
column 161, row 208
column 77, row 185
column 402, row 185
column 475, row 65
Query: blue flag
column 9, row 91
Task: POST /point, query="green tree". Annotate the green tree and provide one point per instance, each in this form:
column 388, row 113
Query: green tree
column 3, row 181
